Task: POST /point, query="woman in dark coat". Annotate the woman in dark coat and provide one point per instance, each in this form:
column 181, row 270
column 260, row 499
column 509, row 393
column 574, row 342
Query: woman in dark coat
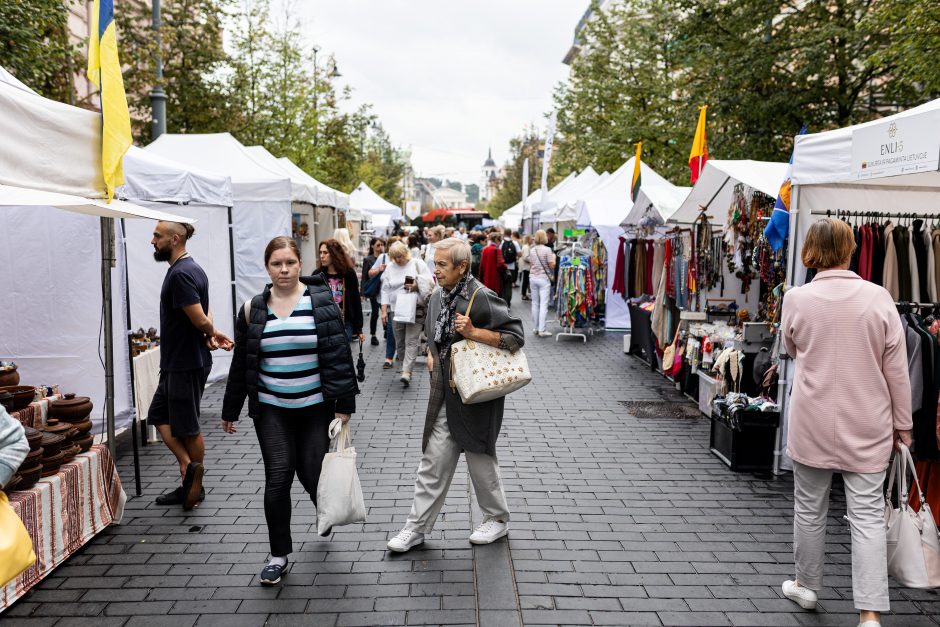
column 472, row 429
column 340, row 275
column 293, row 364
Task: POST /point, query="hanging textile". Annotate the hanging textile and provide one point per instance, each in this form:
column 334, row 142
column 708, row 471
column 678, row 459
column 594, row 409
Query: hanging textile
column 575, row 292
column 618, row 287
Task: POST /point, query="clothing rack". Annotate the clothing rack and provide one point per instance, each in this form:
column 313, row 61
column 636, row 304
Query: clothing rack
column 574, row 249
column 875, row 215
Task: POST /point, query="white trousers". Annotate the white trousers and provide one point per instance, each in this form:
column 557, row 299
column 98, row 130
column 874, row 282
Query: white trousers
column 865, row 506
column 407, row 341
column 436, row 471
column 541, row 294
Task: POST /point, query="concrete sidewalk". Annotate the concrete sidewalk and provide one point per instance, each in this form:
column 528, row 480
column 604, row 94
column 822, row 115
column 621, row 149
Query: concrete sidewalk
column 616, row 520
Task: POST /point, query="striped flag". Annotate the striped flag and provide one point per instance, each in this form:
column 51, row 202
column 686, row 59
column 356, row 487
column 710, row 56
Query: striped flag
column 699, row 154
column 104, row 70
column 635, row 183
column 778, row 228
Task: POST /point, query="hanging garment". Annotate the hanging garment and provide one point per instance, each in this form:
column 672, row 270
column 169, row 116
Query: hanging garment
column 618, row 286
column 915, row 365
column 935, row 246
column 865, row 253
column 902, row 245
column 648, row 287
column 919, row 246
column 878, row 254
column 932, row 292
column 658, row 260
column 915, row 270
column 890, row 278
column 925, row 417
column 856, row 254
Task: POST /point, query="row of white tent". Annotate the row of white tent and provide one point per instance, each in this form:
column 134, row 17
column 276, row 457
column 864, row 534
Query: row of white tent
column 239, row 197
column 603, row 202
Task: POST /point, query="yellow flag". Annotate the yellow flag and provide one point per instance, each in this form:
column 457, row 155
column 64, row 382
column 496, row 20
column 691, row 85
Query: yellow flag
column 104, row 70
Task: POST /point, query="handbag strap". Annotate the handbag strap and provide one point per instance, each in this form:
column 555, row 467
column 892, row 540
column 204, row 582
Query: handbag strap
column 470, row 304
column 339, row 434
column 900, row 464
column 453, row 383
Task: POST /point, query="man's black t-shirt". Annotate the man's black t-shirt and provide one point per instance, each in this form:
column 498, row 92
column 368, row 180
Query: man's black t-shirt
column 183, row 346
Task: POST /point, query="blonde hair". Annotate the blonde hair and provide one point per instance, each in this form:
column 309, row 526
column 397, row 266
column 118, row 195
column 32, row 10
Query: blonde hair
column 342, row 236
column 399, row 249
column 829, row 243
column 541, row 238
column 438, row 231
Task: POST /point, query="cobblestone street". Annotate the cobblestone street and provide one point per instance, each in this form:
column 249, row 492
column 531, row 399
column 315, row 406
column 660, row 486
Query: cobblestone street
column 616, row 520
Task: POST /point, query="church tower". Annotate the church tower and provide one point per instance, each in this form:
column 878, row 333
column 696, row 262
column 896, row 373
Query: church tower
column 489, row 181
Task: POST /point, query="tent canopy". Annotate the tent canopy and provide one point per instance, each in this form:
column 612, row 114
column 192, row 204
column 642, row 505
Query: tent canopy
column 367, row 201
column 326, row 195
column 823, row 167
column 24, row 197
column 224, row 155
column 609, row 203
column 302, row 189
column 663, row 199
column 148, row 176
column 564, row 198
column 715, row 187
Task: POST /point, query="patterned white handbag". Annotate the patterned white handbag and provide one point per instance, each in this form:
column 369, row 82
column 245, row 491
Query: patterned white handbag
column 481, row 373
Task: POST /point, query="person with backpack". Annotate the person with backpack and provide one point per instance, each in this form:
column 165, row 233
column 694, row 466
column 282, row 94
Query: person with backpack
column 372, row 267
column 510, row 252
column 476, row 252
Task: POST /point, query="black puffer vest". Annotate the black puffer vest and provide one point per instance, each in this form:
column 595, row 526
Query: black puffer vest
column 337, row 372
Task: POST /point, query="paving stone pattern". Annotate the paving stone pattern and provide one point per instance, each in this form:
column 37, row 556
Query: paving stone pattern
column 616, row 520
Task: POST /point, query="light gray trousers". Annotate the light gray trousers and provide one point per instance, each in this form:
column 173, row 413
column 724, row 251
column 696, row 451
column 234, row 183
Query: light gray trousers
column 436, row 471
column 407, row 340
column 865, row 506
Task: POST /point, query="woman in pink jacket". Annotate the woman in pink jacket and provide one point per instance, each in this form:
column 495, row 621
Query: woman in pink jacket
column 851, row 401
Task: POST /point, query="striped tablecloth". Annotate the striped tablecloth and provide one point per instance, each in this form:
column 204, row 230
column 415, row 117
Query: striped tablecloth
column 63, row 512
column 34, row 415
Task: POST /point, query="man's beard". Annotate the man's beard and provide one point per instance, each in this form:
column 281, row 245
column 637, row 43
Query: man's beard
column 162, row 255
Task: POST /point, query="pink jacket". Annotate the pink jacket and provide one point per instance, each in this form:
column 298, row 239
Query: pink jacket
column 851, row 387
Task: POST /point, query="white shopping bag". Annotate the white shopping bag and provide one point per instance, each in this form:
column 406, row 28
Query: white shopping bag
column 339, row 495
column 406, row 306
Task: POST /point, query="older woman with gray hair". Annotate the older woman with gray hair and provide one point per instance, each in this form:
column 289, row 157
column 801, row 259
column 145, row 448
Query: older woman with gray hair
column 472, row 429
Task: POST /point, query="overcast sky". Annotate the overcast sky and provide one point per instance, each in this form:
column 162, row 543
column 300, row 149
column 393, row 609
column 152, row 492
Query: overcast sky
column 448, row 78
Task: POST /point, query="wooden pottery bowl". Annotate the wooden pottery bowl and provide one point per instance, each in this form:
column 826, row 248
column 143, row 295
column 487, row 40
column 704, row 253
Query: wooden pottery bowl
column 54, row 426
column 29, row 476
column 70, row 453
column 50, row 465
column 83, row 427
column 9, row 377
column 6, row 400
column 32, row 458
column 76, row 408
column 85, row 443
column 13, row 484
column 34, row 437
column 52, row 443
column 22, row 395
column 73, row 419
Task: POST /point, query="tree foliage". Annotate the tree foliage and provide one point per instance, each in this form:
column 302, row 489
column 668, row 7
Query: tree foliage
column 35, row 47
column 764, row 67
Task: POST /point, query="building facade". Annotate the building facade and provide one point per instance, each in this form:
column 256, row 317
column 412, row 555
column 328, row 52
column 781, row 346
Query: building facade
column 489, row 179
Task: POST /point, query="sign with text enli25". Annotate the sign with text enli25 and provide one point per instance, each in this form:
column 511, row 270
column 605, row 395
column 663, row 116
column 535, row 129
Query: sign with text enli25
column 904, row 145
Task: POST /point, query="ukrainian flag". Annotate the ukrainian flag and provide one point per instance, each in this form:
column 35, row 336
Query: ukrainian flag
column 104, row 70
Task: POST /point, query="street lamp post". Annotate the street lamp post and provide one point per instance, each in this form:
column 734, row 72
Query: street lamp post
column 157, row 95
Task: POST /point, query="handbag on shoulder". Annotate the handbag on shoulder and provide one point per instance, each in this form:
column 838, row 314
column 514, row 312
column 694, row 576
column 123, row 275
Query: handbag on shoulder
column 482, row 373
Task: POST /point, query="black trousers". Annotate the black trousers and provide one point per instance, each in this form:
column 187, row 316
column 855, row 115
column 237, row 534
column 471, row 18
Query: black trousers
column 376, row 314
column 525, row 283
column 293, row 441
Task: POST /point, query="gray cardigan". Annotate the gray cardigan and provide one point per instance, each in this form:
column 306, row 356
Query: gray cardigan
column 13, row 446
column 474, row 427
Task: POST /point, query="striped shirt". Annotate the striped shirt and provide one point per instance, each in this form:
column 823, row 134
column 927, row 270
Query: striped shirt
column 290, row 371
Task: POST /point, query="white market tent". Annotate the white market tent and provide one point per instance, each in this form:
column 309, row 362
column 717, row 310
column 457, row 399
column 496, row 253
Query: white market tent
column 53, row 290
column 512, row 217
column 261, row 199
column 564, row 198
column 364, row 199
column 207, row 199
column 326, row 196
column 715, row 187
column 665, row 200
column 604, row 207
column 303, row 190
column 840, row 169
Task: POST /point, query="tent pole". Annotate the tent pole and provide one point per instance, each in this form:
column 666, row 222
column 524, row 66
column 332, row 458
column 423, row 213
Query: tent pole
column 107, row 262
column 231, row 261
column 130, row 361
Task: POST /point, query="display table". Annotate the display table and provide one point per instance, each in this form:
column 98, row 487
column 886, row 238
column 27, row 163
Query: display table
column 63, row 512
column 146, row 378
column 641, row 335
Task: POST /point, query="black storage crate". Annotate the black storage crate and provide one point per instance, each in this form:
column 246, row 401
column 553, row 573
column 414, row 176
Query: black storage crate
column 750, row 447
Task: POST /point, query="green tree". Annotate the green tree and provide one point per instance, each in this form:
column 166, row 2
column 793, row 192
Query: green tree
column 911, row 31
column 526, row 145
column 34, row 46
column 195, row 64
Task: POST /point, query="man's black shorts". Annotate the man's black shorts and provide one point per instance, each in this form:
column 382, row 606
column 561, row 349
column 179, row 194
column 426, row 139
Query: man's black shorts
column 177, row 399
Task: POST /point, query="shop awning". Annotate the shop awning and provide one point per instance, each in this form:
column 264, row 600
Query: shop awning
column 715, row 187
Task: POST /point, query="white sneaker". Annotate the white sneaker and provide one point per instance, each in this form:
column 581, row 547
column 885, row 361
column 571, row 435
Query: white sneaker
column 405, row 540
column 870, row 623
column 490, row 531
column 804, row 597
column 545, row 334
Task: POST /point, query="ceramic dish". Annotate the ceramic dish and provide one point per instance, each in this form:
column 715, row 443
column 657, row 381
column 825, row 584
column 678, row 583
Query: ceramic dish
column 22, row 395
